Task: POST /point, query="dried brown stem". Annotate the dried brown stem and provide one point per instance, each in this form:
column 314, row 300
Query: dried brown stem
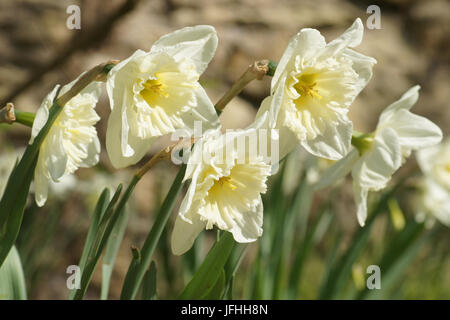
column 7, row 114
column 98, row 73
column 257, row 70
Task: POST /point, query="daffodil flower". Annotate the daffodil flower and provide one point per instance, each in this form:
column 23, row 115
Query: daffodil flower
column 435, row 163
column 433, row 202
column 312, row 89
column 377, row 156
column 435, row 187
column 155, row 93
column 227, row 180
column 72, row 140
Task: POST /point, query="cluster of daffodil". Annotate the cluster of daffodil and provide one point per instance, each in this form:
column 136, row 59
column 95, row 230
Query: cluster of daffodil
column 156, row 93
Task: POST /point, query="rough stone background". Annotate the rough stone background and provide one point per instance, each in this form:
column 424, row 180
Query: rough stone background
column 411, row 48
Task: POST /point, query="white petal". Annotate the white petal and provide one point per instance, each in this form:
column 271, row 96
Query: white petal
column 40, row 184
column 407, row 100
column 268, row 140
column 305, row 44
column 425, row 158
column 195, row 160
column 249, row 229
column 287, row 141
column 198, row 43
column 114, row 137
column 204, row 112
column 118, row 80
column 362, row 65
column 42, row 113
column 186, row 204
column 334, row 143
column 93, row 154
column 352, row 37
column 57, row 157
column 272, row 104
column 436, row 201
column 413, row 131
column 360, row 196
column 120, row 76
column 338, row 170
column 184, row 234
column 94, row 89
column 123, row 149
column 375, row 168
column 270, row 107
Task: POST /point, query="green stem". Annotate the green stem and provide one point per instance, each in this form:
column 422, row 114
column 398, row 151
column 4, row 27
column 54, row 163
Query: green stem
column 25, row 118
column 136, row 271
column 362, row 141
column 272, row 68
column 257, row 70
column 212, row 267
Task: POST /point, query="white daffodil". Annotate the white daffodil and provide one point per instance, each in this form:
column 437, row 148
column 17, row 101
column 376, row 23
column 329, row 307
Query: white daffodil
column 227, row 179
column 377, row 156
column 72, row 140
column 155, row 93
column 312, row 89
column 435, row 163
column 433, row 202
column 435, row 197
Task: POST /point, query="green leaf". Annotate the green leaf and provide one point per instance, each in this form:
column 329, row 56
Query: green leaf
column 332, row 257
column 136, row 273
column 340, row 272
column 99, row 211
column 12, row 204
column 313, row 235
column 12, row 207
column 12, row 280
column 100, row 208
column 274, row 217
column 216, row 291
column 149, row 283
column 104, row 229
column 294, row 223
column 112, row 248
column 231, row 267
column 210, row 270
column 397, row 258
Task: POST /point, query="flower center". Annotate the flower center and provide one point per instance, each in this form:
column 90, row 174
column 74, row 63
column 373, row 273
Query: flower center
column 153, row 90
column 307, row 87
column 447, row 167
column 223, row 182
